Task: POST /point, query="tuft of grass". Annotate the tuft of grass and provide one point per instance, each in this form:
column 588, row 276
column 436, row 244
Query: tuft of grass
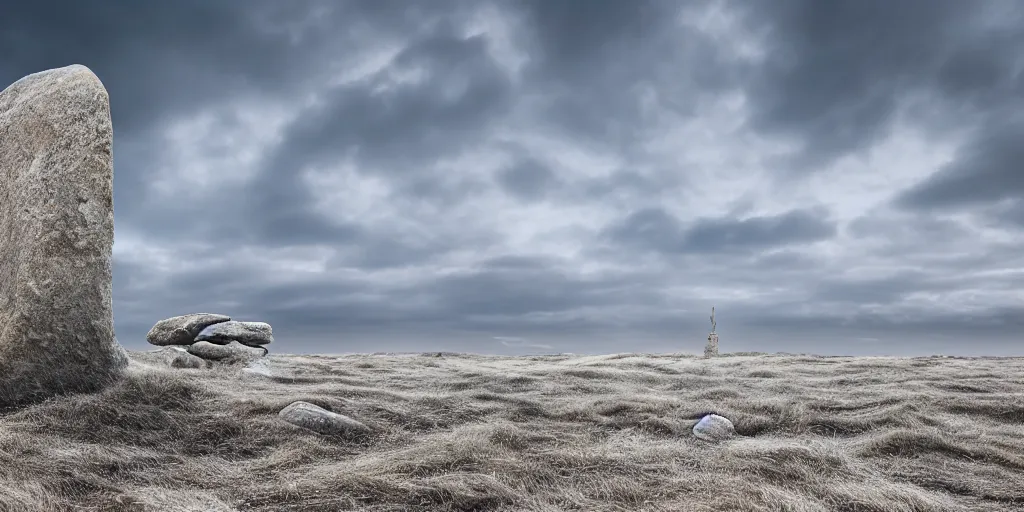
column 462, row 432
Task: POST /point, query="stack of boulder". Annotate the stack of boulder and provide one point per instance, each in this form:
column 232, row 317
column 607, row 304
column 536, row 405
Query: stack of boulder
column 203, row 338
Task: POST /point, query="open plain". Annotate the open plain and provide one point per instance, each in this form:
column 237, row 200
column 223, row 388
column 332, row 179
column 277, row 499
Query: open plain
column 530, row 433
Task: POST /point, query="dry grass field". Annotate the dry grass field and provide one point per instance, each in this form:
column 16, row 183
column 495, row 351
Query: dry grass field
column 458, row 432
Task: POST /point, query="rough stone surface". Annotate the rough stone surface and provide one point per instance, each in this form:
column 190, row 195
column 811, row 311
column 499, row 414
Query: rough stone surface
column 186, row 360
column 258, row 372
column 232, row 352
column 56, row 237
column 182, row 330
column 711, row 350
column 167, row 354
column 262, row 369
column 246, row 333
column 320, row 420
column 714, row 428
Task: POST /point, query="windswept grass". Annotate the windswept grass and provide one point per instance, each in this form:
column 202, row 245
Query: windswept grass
column 457, row 432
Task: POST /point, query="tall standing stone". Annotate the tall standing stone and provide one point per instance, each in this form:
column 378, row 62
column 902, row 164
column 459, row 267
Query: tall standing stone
column 56, row 237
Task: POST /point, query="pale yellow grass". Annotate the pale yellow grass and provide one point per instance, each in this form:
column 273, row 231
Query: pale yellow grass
column 547, row 433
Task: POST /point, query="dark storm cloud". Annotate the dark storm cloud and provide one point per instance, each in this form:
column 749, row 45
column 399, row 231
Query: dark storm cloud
column 157, row 57
column 987, row 170
column 572, row 38
column 649, row 228
column 912, row 229
column 1011, row 214
column 379, row 251
column 836, row 72
column 585, row 98
column 879, row 290
column 625, row 182
column 793, row 227
column 655, row 229
column 939, row 329
column 145, row 52
column 396, row 131
column 442, row 194
column 161, row 59
column 527, row 180
column 514, row 292
column 462, row 90
column 516, row 262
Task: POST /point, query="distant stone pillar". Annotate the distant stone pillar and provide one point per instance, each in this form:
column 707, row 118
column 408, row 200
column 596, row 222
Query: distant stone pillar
column 711, row 350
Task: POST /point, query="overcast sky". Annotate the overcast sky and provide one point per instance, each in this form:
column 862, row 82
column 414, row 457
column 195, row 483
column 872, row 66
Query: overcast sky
column 512, row 177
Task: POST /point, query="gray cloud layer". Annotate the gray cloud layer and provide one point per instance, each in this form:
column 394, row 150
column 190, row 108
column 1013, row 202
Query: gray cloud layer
column 524, row 176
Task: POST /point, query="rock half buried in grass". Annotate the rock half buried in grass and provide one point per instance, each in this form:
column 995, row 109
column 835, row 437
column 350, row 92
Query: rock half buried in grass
column 56, row 237
column 182, row 330
column 246, row 333
column 186, row 360
column 713, row 428
column 320, row 420
column 259, row 369
column 232, row 352
column 263, row 369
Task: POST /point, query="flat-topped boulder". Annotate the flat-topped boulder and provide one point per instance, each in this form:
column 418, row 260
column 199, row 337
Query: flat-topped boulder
column 246, row 333
column 182, row 329
column 232, row 352
column 56, row 237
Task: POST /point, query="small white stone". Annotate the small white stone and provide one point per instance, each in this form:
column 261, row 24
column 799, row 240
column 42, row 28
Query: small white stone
column 713, row 428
